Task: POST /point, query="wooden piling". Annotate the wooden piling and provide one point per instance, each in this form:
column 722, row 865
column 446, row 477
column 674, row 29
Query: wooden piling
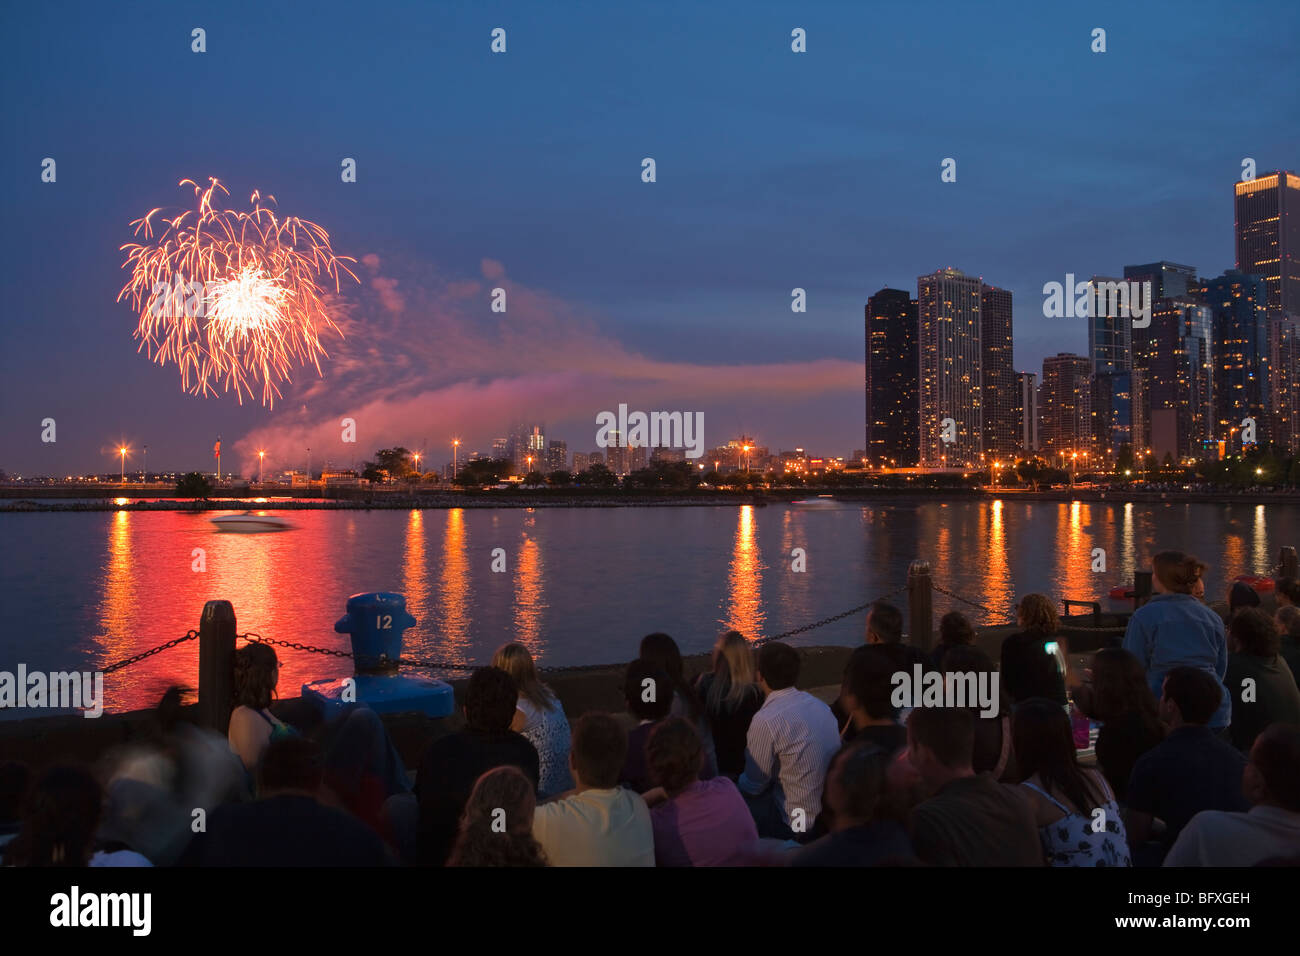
column 920, row 604
column 216, row 665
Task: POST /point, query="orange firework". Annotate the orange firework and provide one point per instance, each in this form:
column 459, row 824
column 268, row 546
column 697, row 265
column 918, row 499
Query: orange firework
column 233, row 298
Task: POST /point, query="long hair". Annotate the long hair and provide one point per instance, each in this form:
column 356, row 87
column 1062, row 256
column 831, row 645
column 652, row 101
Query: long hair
column 514, row 659
column 661, row 651
column 59, row 824
column 1044, row 743
column 733, row 672
column 1177, row 572
column 255, row 676
column 1120, row 687
column 1038, row 614
column 496, row 828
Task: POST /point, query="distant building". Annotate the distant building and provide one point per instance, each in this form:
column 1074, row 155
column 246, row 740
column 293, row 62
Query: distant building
column 581, row 461
column 1027, row 410
column 1238, row 305
column 1176, row 358
column 667, row 455
column 557, row 456
column 340, row 479
column 1065, row 404
column 950, row 362
column 1267, row 233
column 997, row 375
column 892, row 396
column 500, row 448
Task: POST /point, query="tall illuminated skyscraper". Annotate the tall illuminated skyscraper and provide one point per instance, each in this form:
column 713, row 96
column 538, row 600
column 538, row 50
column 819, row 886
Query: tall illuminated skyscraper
column 1238, row 306
column 893, row 401
column 998, row 376
column 949, row 347
column 1065, row 405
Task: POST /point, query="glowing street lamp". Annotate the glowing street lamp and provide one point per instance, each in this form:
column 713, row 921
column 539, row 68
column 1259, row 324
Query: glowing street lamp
column 122, row 451
column 416, row 456
column 261, row 456
column 455, row 456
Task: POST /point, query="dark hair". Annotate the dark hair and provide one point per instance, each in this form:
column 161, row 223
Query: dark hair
column 955, row 628
column 255, row 674
column 291, row 763
column 862, row 769
column 1254, row 633
column 15, row 778
column 778, row 664
column 634, row 688
column 886, row 622
column 1197, row 693
column 508, row 790
column 969, row 659
column 1178, row 572
column 1276, row 754
column 947, row 732
column 60, row 820
column 662, row 651
column 673, row 754
column 490, row 700
column 1289, row 588
column 1241, row 595
column 1120, row 687
column 868, row 676
column 1044, row 744
column 599, row 750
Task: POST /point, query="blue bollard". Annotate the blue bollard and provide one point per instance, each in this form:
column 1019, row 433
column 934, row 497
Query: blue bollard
column 376, row 621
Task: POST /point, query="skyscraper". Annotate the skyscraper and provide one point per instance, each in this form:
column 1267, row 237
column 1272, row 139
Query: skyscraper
column 950, row 361
column 557, row 456
column 1168, row 279
column 1268, row 237
column 893, row 400
column 1238, row 306
column 1065, row 404
column 1027, row 409
column 998, row 377
column 1176, row 357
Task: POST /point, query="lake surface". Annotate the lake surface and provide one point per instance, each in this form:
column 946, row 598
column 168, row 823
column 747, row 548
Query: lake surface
column 581, row 586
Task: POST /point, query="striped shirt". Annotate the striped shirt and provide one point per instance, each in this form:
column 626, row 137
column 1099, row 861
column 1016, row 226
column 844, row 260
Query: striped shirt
column 789, row 747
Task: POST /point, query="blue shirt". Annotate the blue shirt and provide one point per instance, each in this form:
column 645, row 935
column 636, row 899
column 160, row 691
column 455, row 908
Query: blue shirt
column 1177, row 630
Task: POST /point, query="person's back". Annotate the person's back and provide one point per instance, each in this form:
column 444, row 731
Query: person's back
column 547, row 729
column 1191, row 770
column 729, row 717
column 1264, row 687
column 602, row 824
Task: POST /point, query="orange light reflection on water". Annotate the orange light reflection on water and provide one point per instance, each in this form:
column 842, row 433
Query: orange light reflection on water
column 745, row 613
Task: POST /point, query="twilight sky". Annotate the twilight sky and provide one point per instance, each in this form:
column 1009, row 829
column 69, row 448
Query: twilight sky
column 522, row 170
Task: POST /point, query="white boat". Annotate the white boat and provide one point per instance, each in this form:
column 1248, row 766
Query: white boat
column 821, row 501
column 249, row 523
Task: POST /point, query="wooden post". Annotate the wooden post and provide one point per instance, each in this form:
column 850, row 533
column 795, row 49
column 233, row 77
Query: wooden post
column 920, row 604
column 216, row 665
column 1288, row 563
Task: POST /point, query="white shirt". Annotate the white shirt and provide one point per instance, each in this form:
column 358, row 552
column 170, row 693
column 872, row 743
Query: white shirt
column 790, row 744
column 596, row 828
column 1223, row 838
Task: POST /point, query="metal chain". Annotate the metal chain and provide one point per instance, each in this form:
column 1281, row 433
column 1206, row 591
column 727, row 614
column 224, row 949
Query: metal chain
column 944, row 590
column 118, row 665
column 258, row 639
column 828, row 620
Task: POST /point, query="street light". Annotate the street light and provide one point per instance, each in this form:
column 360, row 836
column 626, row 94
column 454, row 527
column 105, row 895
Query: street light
column 455, row 456
column 122, row 451
column 261, row 455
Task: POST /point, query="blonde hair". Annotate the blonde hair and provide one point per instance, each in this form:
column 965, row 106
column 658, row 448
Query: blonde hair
column 1038, row 614
column 514, row 659
column 733, row 671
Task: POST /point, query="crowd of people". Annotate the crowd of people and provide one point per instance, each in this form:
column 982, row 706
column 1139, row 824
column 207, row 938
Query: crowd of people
column 1196, row 760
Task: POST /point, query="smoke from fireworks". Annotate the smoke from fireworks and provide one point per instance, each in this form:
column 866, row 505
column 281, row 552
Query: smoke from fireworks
column 235, row 299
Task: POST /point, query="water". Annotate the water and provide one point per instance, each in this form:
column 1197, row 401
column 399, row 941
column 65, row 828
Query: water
column 582, row 585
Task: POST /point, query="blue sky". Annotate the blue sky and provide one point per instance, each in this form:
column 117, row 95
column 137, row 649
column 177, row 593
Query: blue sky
column 775, row 170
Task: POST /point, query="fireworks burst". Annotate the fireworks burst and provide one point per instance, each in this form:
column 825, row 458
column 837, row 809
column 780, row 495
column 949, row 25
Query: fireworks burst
column 234, row 298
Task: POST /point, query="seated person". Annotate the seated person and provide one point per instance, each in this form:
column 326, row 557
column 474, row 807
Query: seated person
column 649, row 697
column 1263, row 687
column 601, row 823
column 855, row 785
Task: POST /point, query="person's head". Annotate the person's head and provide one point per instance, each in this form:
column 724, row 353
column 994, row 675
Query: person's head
column 1044, row 746
column 291, row 765
column 1287, row 620
column 1198, row 588
column 1287, row 592
column 1189, row 696
column 1173, row 572
column 941, row 743
column 884, row 624
column 598, row 751
column 955, row 628
column 778, row 666
column 1272, row 775
column 868, row 683
column 647, row 690
column 855, row 784
column 515, row 660
column 15, row 778
column 1252, row 632
column 1241, row 595
column 502, row 798
column 1036, row 614
column 1119, row 684
column 257, row 671
column 967, row 659
column 59, row 820
column 733, row 670
column 490, row 700
column 662, row 651
column 673, row 755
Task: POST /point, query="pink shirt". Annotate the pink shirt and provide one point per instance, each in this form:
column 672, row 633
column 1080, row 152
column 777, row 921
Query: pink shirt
column 707, row 824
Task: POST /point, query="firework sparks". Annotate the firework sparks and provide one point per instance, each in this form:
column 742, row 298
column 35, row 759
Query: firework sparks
column 234, row 298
